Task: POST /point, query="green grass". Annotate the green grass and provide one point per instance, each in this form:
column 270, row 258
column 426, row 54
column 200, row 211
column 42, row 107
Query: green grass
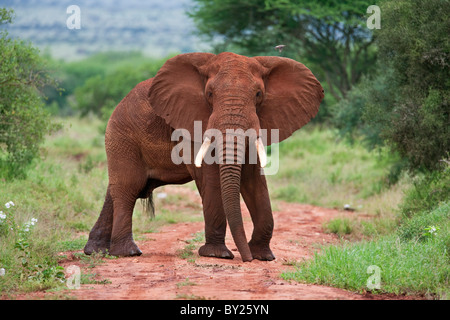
column 185, row 283
column 339, row 226
column 318, row 169
column 409, row 262
column 65, row 201
column 188, row 252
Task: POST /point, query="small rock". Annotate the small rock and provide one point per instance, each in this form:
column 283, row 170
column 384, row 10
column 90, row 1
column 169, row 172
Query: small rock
column 347, row 207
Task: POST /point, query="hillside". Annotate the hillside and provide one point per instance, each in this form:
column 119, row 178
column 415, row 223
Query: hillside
column 153, row 27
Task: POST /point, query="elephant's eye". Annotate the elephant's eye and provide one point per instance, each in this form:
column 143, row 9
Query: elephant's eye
column 209, row 94
column 258, row 94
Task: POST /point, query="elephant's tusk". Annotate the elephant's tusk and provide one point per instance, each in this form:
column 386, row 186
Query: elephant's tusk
column 261, row 152
column 202, row 152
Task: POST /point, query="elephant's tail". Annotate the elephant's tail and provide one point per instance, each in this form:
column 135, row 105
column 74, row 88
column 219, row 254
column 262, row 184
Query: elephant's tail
column 149, row 206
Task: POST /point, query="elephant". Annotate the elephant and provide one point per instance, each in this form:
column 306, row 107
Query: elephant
column 224, row 91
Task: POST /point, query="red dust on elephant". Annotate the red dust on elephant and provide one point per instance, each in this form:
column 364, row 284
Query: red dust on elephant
column 225, row 92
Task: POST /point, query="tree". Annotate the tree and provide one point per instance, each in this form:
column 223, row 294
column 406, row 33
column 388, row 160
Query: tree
column 23, row 120
column 101, row 93
column 405, row 104
column 330, row 36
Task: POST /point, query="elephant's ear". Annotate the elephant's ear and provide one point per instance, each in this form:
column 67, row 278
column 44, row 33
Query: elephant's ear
column 177, row 92
column 292, row 97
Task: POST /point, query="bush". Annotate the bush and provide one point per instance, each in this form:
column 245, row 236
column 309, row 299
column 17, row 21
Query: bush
column 24, row 121
column 74, row 74
column 352, row 116
column 23, row 259
column 415, row 228
column 405, row 105
column 427, row 192
column 101, row 93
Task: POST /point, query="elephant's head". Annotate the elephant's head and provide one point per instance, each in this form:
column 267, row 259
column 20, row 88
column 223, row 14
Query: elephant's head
column 229, row 91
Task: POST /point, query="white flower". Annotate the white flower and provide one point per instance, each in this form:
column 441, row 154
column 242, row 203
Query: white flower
column 2, row 272
column 29, row 224
column 2, row 215
column 9, row 204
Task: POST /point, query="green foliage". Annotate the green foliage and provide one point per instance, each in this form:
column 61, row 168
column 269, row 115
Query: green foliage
column 405, row 104
column 330, row 37
column 421, row 130
column 414, row 38
column 351, row 116
column 74, row 75
column 101, row 93
column 418, row 227
column 427, row 192
column 24, row 121
column 98, row 83
column 19, row 257
column 61, row 198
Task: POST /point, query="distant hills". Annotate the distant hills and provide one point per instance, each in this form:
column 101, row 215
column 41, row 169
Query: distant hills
column 154, row 27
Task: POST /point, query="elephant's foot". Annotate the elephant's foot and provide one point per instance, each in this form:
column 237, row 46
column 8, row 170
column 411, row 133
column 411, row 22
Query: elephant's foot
column 100, row 246
column 261, row 252
column 124, row 249
column 215, row 250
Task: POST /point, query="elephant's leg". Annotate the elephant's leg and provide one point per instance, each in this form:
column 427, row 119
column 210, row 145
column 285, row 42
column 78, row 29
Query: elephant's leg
column 256, row 196
column 122, row 243
column 208, row 184
column 125, row 189
column 100, row 235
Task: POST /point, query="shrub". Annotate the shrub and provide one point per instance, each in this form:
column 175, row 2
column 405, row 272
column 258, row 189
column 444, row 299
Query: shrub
column 420, row 227
column 23, row 120
column 101, row 93
column 21, row 256
column 405, row 104
column 427, row 192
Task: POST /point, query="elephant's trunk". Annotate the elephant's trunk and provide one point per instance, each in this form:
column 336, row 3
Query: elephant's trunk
column 230, row 181
column 232, row 155
column 230, row 178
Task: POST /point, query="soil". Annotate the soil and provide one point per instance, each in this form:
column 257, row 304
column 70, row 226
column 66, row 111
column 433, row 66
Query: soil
column 161, row 273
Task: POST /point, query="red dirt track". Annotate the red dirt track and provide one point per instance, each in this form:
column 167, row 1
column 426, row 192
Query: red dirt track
column 160, row 272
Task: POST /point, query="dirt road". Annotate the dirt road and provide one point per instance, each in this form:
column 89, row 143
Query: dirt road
column 162, row 273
